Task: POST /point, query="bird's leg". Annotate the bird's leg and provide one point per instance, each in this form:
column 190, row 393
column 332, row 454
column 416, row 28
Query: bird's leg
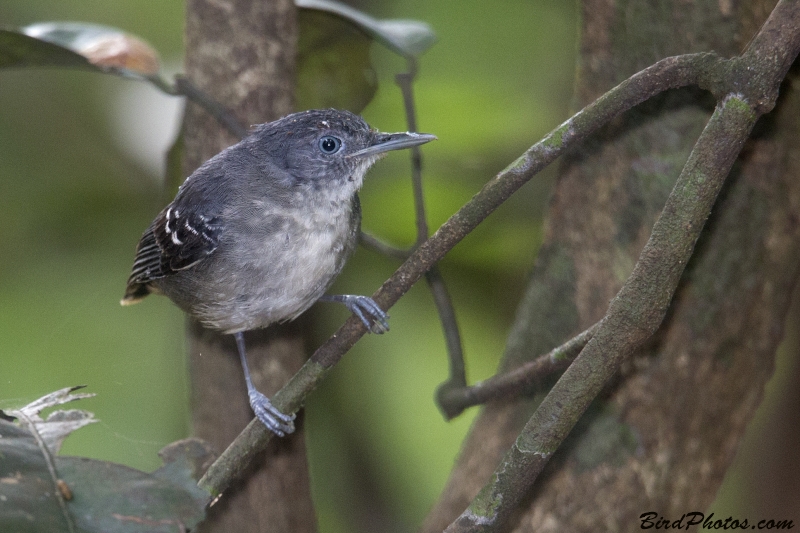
column 277, row 422
column 363, row 306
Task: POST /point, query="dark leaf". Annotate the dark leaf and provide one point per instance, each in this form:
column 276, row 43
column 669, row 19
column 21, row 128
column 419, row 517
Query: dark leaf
column 96, row 496
column 409, row 38
column 112, row 498
column 20, row 50
column 28, row 501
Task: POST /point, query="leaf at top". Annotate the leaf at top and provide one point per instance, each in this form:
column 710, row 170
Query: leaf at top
column 333, row 64
column 75, row 44
column 409, row 38
column 20, row 50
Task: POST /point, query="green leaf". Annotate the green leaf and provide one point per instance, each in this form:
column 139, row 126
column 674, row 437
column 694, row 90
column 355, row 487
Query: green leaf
column 75, row 44
column 333, row 64
column 409, row 38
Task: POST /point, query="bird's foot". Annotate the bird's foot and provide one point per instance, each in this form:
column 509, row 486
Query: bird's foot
column 279, row 423
column 363, row 307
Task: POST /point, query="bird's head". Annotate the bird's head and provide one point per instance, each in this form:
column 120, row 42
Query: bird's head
column 329, row 148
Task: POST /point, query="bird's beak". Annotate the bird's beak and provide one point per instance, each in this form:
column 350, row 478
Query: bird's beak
column 384, row 142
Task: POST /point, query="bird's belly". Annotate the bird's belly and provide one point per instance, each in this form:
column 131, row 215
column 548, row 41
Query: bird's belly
column 281, row 277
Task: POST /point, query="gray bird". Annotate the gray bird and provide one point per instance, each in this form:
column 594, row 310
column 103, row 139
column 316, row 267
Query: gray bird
column 260, row 231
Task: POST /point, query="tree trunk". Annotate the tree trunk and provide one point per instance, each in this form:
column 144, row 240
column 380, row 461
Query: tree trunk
column 242, row 52
column 663, row 434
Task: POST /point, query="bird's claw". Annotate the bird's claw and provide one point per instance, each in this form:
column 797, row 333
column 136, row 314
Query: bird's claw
column 364, row 305
column 279, row 423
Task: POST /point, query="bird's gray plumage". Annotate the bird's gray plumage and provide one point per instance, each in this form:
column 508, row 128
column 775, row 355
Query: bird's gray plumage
column 297, row 206
column 260, row 231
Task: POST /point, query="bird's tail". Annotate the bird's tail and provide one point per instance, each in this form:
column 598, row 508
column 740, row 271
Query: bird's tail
column 135, row 293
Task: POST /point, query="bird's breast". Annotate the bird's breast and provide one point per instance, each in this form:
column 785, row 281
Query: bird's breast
column 292, row 258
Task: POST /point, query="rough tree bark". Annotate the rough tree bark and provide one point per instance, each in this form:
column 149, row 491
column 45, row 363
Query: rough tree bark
column 242, row 52
column 662, row 436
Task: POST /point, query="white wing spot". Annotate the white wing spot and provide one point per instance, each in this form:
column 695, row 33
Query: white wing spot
column 191, row 229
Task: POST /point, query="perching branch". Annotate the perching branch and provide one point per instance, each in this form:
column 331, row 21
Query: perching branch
column 746, row 87
column 668, row 73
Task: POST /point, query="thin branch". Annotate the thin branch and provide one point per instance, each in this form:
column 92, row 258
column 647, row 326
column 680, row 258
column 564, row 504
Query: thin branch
column 377, row 245
column 436, row 284
column 405, row 81
column 641, row 305
column 515, row 382
column 452, row 336
column 668, row 73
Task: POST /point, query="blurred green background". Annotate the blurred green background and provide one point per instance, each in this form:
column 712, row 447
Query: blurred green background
column 81, row 159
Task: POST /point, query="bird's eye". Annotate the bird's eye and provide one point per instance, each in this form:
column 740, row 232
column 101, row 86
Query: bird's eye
column 330, row 145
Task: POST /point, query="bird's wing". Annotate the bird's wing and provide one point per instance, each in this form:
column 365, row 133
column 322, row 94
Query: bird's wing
column 177, row 239
column 184, row 237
